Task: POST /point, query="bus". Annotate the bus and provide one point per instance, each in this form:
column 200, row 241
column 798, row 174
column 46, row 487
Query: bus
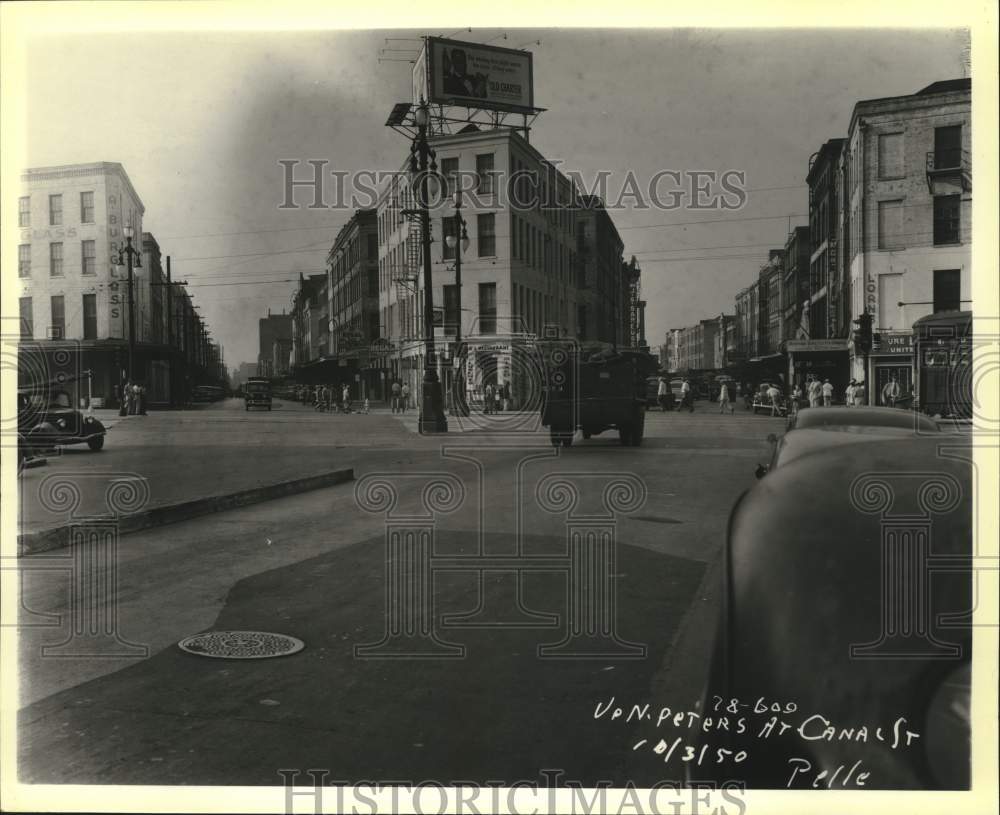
column 942, row 354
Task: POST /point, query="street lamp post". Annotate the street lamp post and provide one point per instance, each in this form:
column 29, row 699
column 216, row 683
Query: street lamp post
column 127, row 252
column 432, row 418
column 460, row 243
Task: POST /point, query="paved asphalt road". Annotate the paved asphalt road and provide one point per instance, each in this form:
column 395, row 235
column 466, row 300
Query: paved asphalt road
column 314, row 566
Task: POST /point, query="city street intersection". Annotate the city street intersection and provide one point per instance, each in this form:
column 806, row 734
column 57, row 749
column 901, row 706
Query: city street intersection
column 313, row 566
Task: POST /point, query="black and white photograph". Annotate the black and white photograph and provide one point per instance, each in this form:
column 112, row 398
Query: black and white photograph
column 499, row 408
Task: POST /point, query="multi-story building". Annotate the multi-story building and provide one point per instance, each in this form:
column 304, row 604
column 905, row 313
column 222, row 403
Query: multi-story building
column 771, row 306
column 907, row 178
column 73, row 296
column 672, row 346
column 308, row 302
column 520, row 275
column 599, row 251
column 747, row 319
column 696, row 345
column 353, row 284
column 825, row 269
column 795, row 286
column 275, row 335
column 725, row 341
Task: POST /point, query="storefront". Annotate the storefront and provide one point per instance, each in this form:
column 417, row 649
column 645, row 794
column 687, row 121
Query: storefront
column 823, row 359
column 892, row 358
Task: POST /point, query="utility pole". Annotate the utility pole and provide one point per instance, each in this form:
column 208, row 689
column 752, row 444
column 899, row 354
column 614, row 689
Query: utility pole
column 170, row 336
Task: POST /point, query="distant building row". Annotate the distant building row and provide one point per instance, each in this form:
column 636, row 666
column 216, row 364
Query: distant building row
column 889, row 234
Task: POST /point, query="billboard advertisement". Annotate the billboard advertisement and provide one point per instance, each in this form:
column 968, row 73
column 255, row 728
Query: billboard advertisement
column 451, row 72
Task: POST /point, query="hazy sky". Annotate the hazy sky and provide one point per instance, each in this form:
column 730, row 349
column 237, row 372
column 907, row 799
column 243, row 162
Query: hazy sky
column 200, row 121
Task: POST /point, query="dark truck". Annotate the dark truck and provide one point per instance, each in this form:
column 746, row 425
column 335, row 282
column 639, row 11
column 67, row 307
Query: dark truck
column 257, row 393
column 593, row 387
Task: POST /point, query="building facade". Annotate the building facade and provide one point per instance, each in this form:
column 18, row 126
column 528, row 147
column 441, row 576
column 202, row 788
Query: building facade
column 73, row 295
column 795, row 286
column 521, row 278
column 907, row 176
column 275, row 349
column 353, row 303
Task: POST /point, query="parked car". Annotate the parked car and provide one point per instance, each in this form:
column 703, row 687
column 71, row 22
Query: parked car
column 819, row 428
column 815, row 632
column 47, row 421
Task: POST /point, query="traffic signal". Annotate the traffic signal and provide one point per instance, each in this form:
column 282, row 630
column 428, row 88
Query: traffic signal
column 863, row 333
column 876, row 342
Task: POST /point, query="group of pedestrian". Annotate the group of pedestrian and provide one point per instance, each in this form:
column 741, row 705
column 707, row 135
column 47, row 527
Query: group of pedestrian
column 400, row 395
column 131, row 399
column 496, row 398
column 325, row 399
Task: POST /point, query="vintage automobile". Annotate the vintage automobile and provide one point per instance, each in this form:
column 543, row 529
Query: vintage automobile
column 48, row 421
column 843, row 650
column 594, row 387
column 814, row 429
column 257, row 393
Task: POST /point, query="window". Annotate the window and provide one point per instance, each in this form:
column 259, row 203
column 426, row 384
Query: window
column 947, row 219
column 24, row 260
column 90, row 316
column 86, row 207
column 947, row 289
column 449, row 171
column 487, row 308
column 58, row 322
column 449, row 228
column 890, row 224
column 24, row 211
column 486, row 233
column 514, row 235
column 484, row 173
column 55, row 260
column 890, row 155
column 55, row 210
column 947, row 147
column 27, row 319
column 88, row 255
column 451, row 310
column 372, row 247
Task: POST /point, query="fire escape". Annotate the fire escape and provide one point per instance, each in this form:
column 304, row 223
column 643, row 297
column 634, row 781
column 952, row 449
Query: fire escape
column 634, row 318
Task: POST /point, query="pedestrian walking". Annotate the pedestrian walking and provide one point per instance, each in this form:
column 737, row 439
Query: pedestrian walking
column 396, row 395
column 123, row 391
column 686, row 398
column 849, row 393
column 814, row 390
column 133, row 403
column 505, row 397
column 142, row 400
column 723, row 398
column 345, row 398
column 662, row 389
column 773, row 394
column 364, row 406
column 827, row 391
column 405, row 398
column 891, row 392
column 488, row 398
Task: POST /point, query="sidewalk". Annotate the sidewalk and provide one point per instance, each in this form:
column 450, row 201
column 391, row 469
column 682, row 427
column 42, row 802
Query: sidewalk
column 171, row 457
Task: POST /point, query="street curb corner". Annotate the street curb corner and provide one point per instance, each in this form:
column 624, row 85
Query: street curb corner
column 58, row 537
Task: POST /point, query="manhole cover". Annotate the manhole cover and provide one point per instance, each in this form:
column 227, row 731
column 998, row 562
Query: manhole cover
column 241, row 645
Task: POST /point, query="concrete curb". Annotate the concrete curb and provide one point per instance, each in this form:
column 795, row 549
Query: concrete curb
column 58, row 537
